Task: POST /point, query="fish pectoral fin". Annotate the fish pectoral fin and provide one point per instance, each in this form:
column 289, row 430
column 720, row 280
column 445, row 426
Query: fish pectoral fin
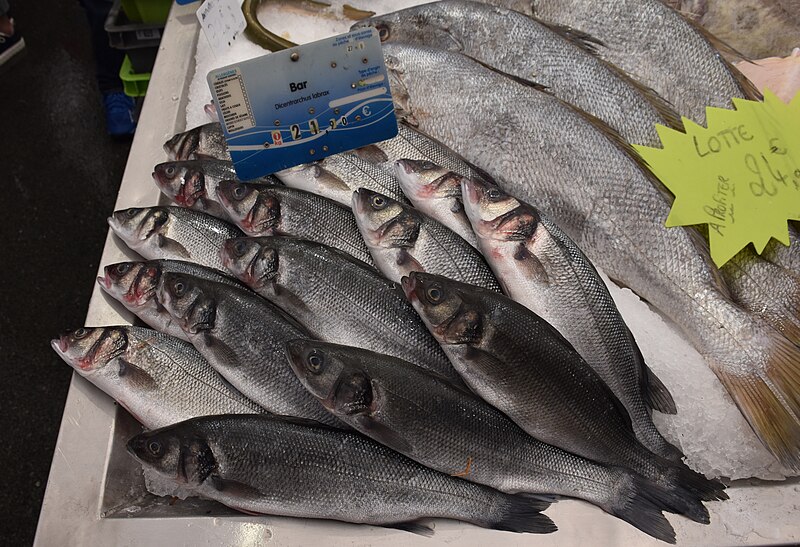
column 234, row 488
column 583, row 40
column 383, row 434
column 221, row 350
column 172, row 247
column 530, row 264
column 414, row 526
column 371, row 153
column 656, row 394
column 133, row 374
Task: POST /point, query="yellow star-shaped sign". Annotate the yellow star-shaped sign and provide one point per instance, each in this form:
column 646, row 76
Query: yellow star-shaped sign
column 740, row 175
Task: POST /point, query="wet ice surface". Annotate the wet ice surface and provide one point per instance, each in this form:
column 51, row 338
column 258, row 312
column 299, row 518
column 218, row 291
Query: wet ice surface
column 708, row 427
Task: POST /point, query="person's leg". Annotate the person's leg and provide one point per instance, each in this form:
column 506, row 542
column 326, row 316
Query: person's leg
column 118, row 106
column 11, row 42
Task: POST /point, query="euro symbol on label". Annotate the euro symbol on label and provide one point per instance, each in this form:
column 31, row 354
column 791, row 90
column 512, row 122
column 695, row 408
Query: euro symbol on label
column 366, row 111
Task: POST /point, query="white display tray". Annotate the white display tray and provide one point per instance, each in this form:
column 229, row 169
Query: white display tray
column 96, row 496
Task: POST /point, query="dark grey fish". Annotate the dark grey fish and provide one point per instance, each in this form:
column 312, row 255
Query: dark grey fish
column 277, row 466
column 205, row 141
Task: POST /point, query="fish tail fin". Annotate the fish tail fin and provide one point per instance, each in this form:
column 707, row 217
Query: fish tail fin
column 657, row 396
column 639, row 503
column 769, row 399
column 521, row 514
column 684, row 478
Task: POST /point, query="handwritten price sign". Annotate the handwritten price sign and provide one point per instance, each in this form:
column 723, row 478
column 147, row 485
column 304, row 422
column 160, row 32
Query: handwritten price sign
column 740, row 176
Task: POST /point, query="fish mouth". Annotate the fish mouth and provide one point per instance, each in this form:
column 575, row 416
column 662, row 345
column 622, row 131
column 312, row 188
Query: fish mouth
column 406, row 166
column 409, row 285
column 359, row 199
column 104, row 282
column 60, row 344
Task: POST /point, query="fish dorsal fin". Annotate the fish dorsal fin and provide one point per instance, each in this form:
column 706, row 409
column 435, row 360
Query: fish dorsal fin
column 656, row 395
column 519, row 80
column 583, row 40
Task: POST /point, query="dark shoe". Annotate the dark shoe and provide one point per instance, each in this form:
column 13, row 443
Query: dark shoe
column 119, row 113
column 10, row 46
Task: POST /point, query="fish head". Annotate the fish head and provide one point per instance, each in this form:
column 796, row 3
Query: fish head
column 496, row 215
column 255, row 209
column 133, row 283
column 183, row 146
column 183, row 457
column 313, row 177
column 384, row 222
column 426, row 24
column 189, row 300
column 183, row 182
column 422, row 180
column 444, row 307
column 89, row 349
column 138, row 224
column 332, row 375
column 254, row 261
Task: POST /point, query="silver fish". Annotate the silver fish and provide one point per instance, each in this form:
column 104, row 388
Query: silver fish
column 174, row 233
column 403, row 240
column 787, row 257
column 262, row 211
column 521, row 365
column 518, row 45
column 455, row 432
column 336, row 298
column 588, row 182
column 204, row 141
column 659, row 47
column 242, row 336
column 193, row 183
column 134, row 285
column 436, row 191
column 279, row 466
column 337, row 177
column 158, row 379
column 541, row 268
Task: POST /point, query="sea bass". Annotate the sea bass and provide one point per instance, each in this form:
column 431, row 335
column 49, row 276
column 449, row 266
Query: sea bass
column 521, row 365
column 194, row 183
column 263, row 211
column 444, row 428
column 336, row 298
column 205, row 141
column 134, row 285
column 589, row 183
column 542, row 269
column 436, row 191
column 518, row 45
column 174, row 233
column 657, row 46
column 158, row 379
column 242, row 336
column 403, row 240
column 280, row 466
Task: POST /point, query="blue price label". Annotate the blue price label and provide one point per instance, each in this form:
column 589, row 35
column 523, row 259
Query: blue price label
column 305, row 103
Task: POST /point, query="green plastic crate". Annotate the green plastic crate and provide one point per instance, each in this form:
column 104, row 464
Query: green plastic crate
column 134, row 85
column 146, row 11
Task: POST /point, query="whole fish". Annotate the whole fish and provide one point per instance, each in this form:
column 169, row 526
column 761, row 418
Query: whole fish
column 595, row 188
column 194, row 183
column 242, row 337
column 521, row 365
column 436, row 191
column 447, row 429
column 158, row 379
column 656, row 45
column 403, row 240
column 337, row 177
column 542, row 269
column 275, row 210
column 173, row 232
column 279, row 466
column 134, row 285
column 518, row 45
column 336, row 298
column 202, row 142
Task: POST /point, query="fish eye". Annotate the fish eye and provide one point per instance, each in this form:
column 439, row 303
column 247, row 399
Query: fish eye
column 155, row 448
column 315, row 360
column 179, row 287
column 170, row 171
column 130, row 213
column 427, row 165
column 434, row 293
column 383, row 32
column 80, row 333
column 378, row 202
column 494, row 194
column 122, row 268
column 238, row 191
column 239, row 247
